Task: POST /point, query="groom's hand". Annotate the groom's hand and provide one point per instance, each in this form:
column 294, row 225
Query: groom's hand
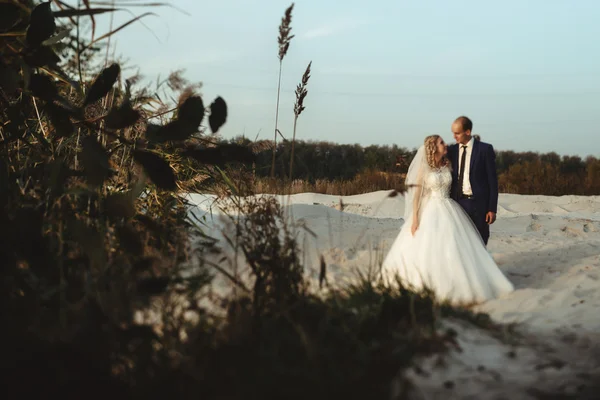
column 490, row 217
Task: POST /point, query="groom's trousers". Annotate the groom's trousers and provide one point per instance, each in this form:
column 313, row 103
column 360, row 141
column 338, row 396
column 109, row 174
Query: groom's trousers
column 477, row 216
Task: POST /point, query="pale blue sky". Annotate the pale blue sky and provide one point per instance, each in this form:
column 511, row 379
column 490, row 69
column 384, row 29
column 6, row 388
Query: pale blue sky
column 526, row 71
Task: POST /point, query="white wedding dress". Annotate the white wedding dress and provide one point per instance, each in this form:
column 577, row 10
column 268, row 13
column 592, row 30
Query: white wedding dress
column 446, row 254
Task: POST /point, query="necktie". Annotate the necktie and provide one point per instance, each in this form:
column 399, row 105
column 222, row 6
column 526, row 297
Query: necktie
column 461, row 174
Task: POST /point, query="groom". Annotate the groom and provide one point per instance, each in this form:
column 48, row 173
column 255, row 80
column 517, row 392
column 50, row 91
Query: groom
column 474, row 176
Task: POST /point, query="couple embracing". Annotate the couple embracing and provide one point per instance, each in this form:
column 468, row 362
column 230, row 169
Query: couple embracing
column 451, row 201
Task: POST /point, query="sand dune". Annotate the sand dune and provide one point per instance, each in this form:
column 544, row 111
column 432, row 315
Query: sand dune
column 549, row 247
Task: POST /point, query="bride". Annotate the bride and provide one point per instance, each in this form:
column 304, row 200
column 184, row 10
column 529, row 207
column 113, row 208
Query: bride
column 439, row 247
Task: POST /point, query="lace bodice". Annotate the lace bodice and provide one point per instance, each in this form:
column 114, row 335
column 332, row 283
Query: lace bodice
column 438, row 182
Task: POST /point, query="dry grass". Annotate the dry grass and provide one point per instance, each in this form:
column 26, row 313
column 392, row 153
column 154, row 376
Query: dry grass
column 366, row 182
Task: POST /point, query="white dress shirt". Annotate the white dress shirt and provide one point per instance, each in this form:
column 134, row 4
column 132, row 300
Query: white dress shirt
column 466, row 183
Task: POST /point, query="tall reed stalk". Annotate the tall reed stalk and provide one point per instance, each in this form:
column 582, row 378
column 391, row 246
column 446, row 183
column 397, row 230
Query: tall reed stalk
column 301, row 93
column 283, row 40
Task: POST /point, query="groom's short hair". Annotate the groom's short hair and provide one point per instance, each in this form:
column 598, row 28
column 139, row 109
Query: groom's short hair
column 465, row 122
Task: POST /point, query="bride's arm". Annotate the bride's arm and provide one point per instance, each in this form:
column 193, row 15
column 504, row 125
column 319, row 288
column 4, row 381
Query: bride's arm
column 417, row 205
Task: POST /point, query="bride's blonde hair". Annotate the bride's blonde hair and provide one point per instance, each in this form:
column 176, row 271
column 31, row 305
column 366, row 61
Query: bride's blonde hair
column 431, row 150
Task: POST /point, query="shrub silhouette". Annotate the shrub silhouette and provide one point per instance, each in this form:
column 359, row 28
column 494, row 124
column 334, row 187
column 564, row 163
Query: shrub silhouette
column 92, row 225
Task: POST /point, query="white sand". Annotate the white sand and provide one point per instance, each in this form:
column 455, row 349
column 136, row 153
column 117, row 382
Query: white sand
column 549, row 247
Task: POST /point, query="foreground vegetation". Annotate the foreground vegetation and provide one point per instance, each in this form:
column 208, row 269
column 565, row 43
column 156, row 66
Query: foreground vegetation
column 93, row 229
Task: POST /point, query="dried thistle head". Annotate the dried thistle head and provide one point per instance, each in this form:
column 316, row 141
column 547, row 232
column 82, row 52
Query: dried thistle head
column 185, row 93
column 284, row 32
column 301, row 91
column 177, row 83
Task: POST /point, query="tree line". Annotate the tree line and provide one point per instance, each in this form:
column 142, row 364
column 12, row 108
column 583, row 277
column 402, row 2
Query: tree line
column 518, row 172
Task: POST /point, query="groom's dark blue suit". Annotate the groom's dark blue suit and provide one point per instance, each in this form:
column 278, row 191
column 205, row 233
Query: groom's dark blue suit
column 484, row 184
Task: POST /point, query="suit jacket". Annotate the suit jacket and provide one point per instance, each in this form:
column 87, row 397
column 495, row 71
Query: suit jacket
column 483, row 175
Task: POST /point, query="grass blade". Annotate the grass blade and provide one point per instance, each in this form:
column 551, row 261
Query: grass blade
column 150, row 4
column 87, row 6
column 126, row 24
column 13, row 34
column 82, row 13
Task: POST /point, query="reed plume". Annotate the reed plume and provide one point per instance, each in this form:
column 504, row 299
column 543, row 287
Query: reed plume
column 301, row 92
column 283, row 40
